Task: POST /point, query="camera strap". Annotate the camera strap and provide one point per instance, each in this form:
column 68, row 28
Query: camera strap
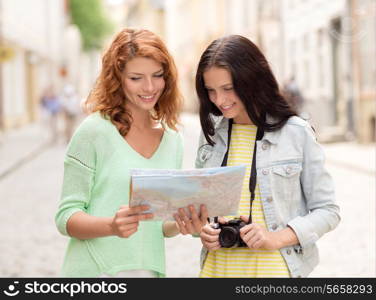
column 224, row 162
column 253, row 176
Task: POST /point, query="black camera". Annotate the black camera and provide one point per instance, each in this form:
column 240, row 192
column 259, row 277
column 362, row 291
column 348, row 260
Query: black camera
column 229, row 237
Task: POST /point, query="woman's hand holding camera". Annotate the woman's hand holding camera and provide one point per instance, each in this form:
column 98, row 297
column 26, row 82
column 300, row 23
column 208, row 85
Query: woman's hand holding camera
column 195, row 223
column 210, row 236
column 126, row 220
column 258, row 237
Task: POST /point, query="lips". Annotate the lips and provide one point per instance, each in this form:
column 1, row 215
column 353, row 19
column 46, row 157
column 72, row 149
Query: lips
column 227, row 107
column 147, row 98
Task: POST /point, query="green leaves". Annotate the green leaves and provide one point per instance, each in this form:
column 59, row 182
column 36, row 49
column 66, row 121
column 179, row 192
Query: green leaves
column 92, row 22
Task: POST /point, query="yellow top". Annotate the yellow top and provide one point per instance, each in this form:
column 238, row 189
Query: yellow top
column 242, row 261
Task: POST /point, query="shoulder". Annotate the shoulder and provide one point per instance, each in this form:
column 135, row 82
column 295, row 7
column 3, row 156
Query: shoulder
column 295, row 130
column 92, row 128
column 173, row 146
column 297, row 121
column 298, row 129
column 173, row 135
column 296, row 124
column 93, row 124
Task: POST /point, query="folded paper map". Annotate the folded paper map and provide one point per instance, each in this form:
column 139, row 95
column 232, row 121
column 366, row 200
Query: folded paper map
column 165, row 191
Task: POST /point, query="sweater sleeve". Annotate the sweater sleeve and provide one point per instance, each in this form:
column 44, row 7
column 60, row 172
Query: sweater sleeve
column 180, row 151
column 78, row 180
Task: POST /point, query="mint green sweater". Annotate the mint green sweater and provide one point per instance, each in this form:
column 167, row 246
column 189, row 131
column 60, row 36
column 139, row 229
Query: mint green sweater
column 96, row 181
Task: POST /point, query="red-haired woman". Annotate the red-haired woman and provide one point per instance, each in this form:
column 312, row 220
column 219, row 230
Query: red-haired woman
column 132, row 124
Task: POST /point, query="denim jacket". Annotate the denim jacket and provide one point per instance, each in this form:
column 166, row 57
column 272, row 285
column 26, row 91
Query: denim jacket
column 295, row 188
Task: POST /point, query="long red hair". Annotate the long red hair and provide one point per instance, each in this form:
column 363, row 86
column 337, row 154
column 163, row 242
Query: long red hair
column 108, row 96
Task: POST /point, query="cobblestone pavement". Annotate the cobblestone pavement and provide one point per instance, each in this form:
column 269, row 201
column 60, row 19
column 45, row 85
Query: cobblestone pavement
column 32, row 247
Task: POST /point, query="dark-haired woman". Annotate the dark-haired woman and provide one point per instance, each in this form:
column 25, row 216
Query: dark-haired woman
column 288, row 199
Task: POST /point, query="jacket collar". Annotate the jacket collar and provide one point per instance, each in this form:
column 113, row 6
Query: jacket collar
column 221, row 128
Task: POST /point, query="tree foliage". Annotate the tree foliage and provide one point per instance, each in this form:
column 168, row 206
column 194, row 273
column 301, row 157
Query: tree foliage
column 92, row 22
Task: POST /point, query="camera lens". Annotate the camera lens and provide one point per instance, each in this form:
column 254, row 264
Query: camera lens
column 228, row 237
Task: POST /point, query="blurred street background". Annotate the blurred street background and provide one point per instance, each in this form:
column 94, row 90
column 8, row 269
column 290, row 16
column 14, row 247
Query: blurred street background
column 323, row 56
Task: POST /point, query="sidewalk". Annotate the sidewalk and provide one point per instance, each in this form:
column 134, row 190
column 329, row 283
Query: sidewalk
column 353, row 156
column 18, row 146
column 21, row 145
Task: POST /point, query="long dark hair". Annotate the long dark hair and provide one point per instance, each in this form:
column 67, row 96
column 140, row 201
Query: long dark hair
column 252, row 79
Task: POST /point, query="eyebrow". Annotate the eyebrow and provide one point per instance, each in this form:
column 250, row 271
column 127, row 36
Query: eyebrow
column 223, row 85
column 135, row 73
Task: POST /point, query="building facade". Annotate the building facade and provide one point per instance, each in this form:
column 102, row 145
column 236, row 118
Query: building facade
column 45, row 51
column 33, row 31
column 329, row 46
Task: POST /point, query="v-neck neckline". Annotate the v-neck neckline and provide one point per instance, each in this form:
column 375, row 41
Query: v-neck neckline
column 123, row 141
column 139, row 154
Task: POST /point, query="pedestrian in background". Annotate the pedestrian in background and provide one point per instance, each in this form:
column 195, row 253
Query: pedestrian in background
column 288, row 201
column 293, row 95
column 71, row 110
column 51, row 106
column 132, row 124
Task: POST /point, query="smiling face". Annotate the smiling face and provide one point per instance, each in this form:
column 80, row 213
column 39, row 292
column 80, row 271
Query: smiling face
column 218, row 83
column 143, row 83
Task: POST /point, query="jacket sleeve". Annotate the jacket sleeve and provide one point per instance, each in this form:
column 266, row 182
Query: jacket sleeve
column 318, row 189
column 78, row 180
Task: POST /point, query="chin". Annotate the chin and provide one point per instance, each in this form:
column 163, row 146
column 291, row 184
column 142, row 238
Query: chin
column 229, row 115
column 148, row 106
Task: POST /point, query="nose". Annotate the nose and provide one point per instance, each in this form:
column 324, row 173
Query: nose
column 148, row 85
column 219, row 98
